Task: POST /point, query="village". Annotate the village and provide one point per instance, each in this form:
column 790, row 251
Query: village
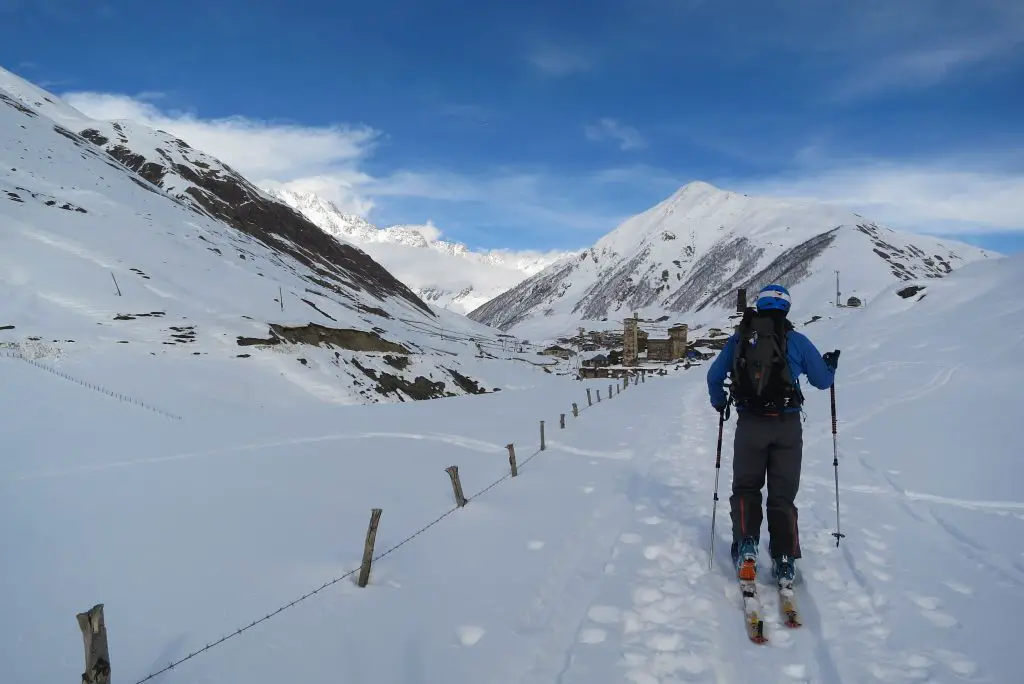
column 641, row 346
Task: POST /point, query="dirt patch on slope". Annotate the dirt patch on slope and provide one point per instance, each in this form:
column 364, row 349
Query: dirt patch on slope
column 317, row 335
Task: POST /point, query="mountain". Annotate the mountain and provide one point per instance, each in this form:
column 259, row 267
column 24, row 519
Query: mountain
column 122, row 243
column 447, row 274
column 686, row 257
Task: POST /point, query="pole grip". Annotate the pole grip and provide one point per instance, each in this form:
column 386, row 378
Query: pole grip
column 718, row 451
column 833, row 389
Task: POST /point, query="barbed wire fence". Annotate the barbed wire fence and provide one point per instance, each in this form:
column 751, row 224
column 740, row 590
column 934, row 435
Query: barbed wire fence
column 17, row 354
column 376, row 558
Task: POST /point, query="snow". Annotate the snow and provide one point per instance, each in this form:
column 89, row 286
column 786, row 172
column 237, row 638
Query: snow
column 591, row 566
column 447, row 274
column 685, row 258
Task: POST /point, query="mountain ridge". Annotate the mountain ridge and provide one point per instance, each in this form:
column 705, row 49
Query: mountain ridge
column 687, row 255
column 124, row 246
column 444, row 281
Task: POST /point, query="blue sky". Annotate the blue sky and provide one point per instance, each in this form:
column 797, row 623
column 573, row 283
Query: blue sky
column 534, row 124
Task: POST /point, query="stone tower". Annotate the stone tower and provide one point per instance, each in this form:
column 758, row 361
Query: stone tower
column 630, row 349
column 677, row 335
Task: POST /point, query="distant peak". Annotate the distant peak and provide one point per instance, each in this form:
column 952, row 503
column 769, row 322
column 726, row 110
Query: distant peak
column 698, row 186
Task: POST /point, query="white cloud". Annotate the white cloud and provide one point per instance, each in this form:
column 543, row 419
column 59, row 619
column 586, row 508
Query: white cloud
column 940, row 198
column 627, row 137
column 329, row 161
column 853, row 51
column 892, row 46
column 321, row 158
column 560, row 61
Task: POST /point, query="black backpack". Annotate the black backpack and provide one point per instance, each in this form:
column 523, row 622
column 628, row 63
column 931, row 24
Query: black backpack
column 761, row 381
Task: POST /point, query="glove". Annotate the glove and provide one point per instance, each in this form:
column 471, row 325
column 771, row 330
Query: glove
column 831, row 359
column 722, row 409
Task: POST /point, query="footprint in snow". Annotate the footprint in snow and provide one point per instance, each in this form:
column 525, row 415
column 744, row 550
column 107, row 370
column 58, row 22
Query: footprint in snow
column 535, row 545
column 588, row 489
column 960, row 588
column 470, row 634
column 592, row 635
column 881, row 576
column 876, row 544
column 796, row 671
column 877, row 560
column 665, row 642
column 604, row 615
column 630, row 538
column 957, row 662
column 929, row 606
column 646, row 595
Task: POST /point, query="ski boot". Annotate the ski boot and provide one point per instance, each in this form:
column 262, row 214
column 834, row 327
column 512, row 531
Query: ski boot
column 744, row 557
column 784, row 571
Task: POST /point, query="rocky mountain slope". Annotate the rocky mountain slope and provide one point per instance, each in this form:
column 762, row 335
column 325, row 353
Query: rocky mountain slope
column 123, row 243
column 685, row 258
column 447, row 274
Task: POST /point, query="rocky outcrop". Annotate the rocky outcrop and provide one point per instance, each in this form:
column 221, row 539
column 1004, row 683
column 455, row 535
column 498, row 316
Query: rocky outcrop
column 317, row 335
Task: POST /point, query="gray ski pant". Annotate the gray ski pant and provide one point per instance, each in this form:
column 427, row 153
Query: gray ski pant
column 767, row 447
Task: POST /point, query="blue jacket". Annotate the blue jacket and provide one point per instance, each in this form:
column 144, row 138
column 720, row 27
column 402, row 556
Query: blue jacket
column 803, row 358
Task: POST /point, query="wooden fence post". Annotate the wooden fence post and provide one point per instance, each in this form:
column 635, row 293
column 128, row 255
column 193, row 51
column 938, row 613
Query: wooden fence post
column 610, row 394
column 512, row 458
column 97, row 655
column 453, row 473
column 575, row 410
column 371, row 539
column 561, row 421
column 589, row 402
column 543, row 446
column 598, row 396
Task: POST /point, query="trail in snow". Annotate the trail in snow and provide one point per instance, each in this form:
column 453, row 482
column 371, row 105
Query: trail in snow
column 881, row 607
column 455, row 440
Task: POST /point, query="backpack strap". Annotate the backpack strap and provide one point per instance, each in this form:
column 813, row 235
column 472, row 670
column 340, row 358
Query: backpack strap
column 742, row 334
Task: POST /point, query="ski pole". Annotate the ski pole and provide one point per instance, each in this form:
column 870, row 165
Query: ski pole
column 835, row 464
column 723, row 414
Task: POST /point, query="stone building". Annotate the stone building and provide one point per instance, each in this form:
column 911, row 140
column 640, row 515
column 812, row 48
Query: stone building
column 560, row 352
column 672, row 348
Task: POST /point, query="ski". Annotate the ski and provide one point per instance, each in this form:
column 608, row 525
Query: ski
column 788, row 607
column 752, row 612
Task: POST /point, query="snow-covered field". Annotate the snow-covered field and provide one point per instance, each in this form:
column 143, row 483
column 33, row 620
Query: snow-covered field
column 590, row 567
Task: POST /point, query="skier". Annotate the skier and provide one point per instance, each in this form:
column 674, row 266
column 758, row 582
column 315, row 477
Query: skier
column 769, row 437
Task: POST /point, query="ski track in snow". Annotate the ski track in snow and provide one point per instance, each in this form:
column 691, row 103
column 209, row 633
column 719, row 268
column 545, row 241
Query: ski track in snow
column 454, row 440
column 658, row 615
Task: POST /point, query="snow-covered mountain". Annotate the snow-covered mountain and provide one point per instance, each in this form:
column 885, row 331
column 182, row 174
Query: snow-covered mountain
column 121, row 243
column 687, row 256
column 447, row 274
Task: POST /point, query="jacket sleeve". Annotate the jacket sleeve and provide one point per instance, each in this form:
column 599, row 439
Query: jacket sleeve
column 719, row 371
column 811, row 363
